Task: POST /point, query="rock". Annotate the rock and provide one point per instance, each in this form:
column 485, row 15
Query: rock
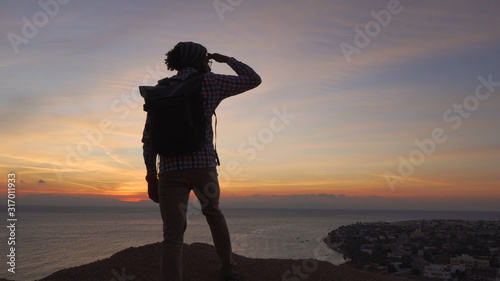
column 201, row 263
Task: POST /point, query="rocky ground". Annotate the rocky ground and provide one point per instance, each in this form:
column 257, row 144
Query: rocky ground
column 201, row 264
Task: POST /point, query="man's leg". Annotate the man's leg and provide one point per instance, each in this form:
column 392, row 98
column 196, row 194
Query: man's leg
column 208, row 192
column 174, row 196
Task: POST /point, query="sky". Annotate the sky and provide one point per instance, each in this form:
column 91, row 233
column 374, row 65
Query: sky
column 385, row 103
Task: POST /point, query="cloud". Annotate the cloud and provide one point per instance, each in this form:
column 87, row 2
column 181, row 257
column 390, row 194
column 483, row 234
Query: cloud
column 374, row 202
column 304, row 201
column 350, row 117
column 68, row 200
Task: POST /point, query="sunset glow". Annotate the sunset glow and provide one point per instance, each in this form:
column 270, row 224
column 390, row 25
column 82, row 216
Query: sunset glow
column 392, row 99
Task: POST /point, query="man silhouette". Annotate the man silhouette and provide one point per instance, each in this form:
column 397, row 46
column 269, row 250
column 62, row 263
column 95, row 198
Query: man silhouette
column 177, row 175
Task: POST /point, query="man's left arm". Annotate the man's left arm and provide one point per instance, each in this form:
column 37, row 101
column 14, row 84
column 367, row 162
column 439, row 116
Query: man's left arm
column 150, row 161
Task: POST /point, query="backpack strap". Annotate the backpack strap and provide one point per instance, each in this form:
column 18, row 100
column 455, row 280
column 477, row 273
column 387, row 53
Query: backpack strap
column 215, row 141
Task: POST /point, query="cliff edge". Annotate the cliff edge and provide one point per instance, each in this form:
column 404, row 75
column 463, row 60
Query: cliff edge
column 201, row 264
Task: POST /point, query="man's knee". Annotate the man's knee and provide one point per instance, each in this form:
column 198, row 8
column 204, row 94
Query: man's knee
column 174, row 234
column 213, row 215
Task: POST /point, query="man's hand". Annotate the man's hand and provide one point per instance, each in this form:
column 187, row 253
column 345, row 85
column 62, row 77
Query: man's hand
column 153, row 188
column 217, row 57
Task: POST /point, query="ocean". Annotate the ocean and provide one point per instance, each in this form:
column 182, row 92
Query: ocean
column 52, row 238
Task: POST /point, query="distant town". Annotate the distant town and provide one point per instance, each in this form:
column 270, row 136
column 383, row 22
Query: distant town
column 422, row 249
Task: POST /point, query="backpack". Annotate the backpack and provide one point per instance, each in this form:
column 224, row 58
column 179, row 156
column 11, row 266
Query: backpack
column 177, row 116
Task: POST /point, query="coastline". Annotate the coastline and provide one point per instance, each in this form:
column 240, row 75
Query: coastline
column 251, row 228
column 426, row 248
column 336, row 249
column 201, row 263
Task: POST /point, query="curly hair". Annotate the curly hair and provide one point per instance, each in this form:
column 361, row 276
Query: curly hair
column 185, row 54
column 173, row 60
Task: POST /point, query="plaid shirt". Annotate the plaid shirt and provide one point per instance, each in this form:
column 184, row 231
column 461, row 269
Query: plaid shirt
column 215, row 88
